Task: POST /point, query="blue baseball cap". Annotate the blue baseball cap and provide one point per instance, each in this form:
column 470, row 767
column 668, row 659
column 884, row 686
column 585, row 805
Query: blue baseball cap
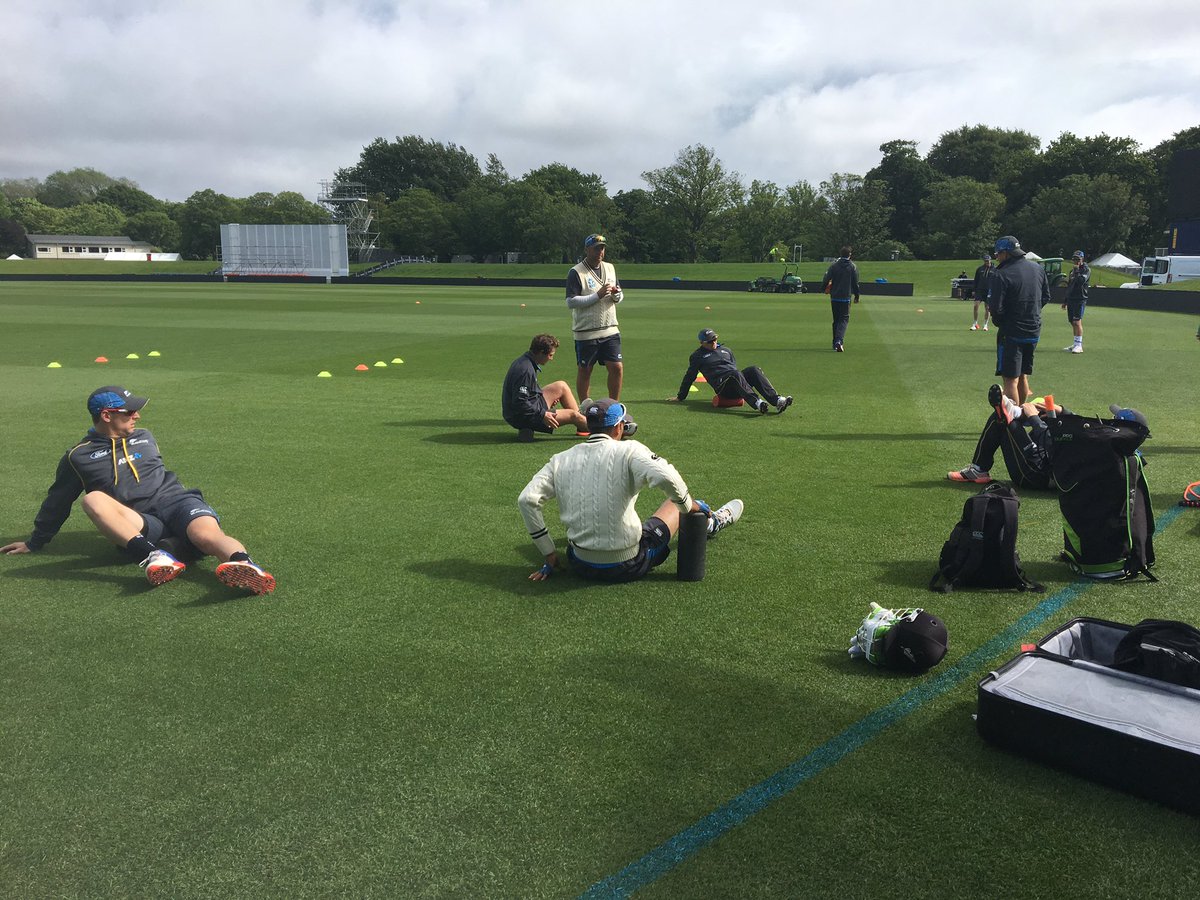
column 1125, row 414
column 605, row 414
column 593, row 239
column 1078, row 254
column 1008, row 244
column 113, row 397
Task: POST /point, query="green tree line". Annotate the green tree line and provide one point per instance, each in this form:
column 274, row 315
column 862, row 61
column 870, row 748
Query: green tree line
column 435, row 199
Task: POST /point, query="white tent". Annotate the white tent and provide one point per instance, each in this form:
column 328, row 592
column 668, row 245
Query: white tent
column 1029, row 254
column 1115, row 261
column 14, row 256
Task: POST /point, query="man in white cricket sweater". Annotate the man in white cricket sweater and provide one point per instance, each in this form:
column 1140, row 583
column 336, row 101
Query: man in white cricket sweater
column 597, row 485
column 592, row 296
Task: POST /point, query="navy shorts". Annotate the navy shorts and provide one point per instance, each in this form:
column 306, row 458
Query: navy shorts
column 1075, row 310
column 536, row 421
column 600, row 350
column 653, row 550
column 171, row 519
column 1016, row 358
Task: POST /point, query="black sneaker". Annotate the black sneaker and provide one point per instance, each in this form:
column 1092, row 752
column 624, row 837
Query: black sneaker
column 996, row 400
column 762, row 405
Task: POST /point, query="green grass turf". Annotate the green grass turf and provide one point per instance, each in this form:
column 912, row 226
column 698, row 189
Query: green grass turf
column 409, row 715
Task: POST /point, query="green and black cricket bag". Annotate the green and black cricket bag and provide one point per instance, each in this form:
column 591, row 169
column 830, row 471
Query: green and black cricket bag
column 1108, row 521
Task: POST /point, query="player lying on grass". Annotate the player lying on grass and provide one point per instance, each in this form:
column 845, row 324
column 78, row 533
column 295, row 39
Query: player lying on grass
column 1021, row 435
column 719, row 367
column 597, row 485
column 135, row 502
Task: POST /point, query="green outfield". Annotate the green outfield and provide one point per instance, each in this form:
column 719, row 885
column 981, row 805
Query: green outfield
column 408, row 715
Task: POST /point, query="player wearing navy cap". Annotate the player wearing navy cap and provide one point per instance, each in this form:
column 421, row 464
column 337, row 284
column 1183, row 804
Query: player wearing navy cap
column 1076, row 301
column 135, row 501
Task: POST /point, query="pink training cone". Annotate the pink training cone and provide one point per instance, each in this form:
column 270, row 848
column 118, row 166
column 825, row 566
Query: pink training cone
column 360, row 368
column 101, row 359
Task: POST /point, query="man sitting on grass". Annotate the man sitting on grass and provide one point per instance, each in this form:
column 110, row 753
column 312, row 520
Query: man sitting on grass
column 136, row 502
column 1021, row 435
column 597, row 485
column 529, row 407
column 720, row 369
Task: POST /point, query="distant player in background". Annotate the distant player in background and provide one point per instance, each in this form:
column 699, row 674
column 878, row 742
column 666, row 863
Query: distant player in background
column 841, row 283
column 1077, row 297
column 592, row 296
column 982, row 274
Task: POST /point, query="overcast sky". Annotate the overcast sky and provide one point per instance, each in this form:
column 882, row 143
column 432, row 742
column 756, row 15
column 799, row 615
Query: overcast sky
column 274, row 95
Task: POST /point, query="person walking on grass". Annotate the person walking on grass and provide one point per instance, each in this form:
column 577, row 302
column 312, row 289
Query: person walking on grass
column 136, row 502
column 980, row 292
column 526, row 405
column 596, row 484
column 841, row 283
column 1076, row 300
column 593, row 293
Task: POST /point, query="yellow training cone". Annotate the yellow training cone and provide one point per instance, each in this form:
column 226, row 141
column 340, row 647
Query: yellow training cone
column 398, row 361
column 693, row 390
column 132, row 356
column 381, row 364
column 324, row 375
column 154, row 353
column 54, row 365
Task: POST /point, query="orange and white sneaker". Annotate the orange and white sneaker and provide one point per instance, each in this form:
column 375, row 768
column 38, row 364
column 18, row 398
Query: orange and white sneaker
column 238, row 573
column 161, row 567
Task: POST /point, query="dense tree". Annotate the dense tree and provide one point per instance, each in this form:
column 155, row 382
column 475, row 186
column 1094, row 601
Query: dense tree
column 982, row 152
column 36, row 217
column 1071, row 155
column 480, row 219
column 63, row 189
column 129, row 198
column 284, row 208
column 964, row 213
column 1095, row 215
column 418, row 223
column 907, row 179
column 642, row 229
column 756, row 223
column 200, row 221
column 12, row 238
column 693, row 192
column 155, row 228
column 392, row 167
column 565, row 183
column 857, row 214
column 804, row 214
column 98, row 219
column 18, row 188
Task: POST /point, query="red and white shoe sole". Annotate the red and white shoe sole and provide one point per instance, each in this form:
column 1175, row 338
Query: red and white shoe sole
column 246, row 578
column 157, row 575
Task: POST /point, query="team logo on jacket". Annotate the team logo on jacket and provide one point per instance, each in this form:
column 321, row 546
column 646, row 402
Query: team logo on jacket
column 523, row 390
column 99, row 454
column 591, row 282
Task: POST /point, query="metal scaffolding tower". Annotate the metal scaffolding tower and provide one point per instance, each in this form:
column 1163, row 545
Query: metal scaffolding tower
column 347, row 201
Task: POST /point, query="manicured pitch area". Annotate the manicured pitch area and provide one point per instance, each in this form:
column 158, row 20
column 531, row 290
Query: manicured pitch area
column 408, row 715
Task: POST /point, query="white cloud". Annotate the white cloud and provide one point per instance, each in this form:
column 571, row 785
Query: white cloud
column 276, row 95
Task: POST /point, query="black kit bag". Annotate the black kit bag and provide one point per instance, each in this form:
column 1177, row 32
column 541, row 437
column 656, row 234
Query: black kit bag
column 1108, row 520
column 982, row 549
column 1162, row 649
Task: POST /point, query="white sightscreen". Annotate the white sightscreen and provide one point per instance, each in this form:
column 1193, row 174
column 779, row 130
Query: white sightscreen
column 284, row 250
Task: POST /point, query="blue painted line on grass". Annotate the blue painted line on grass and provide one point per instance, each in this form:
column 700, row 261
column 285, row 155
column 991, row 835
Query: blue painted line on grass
column 687, row 843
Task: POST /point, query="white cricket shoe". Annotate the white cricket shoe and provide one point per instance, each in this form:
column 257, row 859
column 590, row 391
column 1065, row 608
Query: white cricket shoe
column 725, row 516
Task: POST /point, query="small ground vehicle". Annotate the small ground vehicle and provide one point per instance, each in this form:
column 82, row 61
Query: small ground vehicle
column 1054, row 270
column 1167, row 269
column 789, row 283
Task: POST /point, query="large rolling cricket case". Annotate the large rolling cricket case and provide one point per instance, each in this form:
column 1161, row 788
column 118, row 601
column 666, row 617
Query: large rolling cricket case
column 1060, row 704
